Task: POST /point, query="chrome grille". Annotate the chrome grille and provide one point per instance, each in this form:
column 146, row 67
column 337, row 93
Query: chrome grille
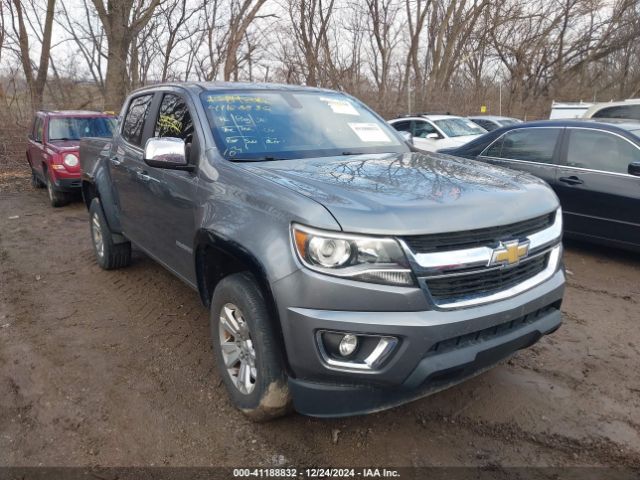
column 441, row 242
column 485, row 281
column 465, row 272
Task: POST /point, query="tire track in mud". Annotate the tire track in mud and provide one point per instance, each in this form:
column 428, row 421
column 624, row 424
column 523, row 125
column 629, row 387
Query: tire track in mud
column 589, row 450
column 600, row 291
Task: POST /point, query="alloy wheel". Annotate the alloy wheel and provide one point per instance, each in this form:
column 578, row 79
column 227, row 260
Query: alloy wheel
column 96, row 231
column 237, row 349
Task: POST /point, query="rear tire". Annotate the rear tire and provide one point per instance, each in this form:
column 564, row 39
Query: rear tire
column 56, row 197
column 109, row 255
column 247, row 350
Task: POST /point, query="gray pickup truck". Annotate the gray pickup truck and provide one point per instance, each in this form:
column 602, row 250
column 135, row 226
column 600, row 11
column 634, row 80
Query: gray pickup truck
column 345, row 273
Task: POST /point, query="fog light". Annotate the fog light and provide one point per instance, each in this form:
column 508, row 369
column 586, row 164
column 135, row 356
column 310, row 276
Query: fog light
column 348, row 345
column 355, row 351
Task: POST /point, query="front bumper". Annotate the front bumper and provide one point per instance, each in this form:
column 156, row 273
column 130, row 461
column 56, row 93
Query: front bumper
column 66, row 181
column 68, row 184
column 437, row 348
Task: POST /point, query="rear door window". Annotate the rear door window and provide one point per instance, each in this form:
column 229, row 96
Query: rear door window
column 402, row 126
column 598, row 150
column 530, row 144
column 422, row 128
column 133, row 123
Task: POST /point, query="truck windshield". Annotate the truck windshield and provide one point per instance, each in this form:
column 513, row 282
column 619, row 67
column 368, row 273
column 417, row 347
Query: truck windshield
column 75, row 128
column 255, row 125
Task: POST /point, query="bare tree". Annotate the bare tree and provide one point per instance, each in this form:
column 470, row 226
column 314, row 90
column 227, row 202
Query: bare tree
column 226, row 27
column 2, row 29
column 384, row 34
column 35, row 80
column 243, row 13
column 86, row 32
column 122, row 23
column 452, row 24
column 310, row 21
column 555, row 42
column 176, row 15
column 416, row 16
column 394, row 54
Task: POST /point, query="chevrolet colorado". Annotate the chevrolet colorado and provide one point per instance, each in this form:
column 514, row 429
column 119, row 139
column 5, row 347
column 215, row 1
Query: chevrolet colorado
column 344, row 272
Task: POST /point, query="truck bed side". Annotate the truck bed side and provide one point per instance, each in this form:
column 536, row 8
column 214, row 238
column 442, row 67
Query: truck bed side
column 93, row 151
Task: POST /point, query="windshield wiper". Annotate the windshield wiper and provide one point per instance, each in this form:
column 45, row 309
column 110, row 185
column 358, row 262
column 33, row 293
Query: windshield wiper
column 257, row 159
column 64, row 139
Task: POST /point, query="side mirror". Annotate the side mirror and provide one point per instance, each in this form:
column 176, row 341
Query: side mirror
column 167, row 152
column 433, row 136
column 407, row 137
column 634, row 169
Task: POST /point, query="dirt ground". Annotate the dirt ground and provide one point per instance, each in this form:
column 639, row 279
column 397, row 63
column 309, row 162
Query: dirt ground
column 115, row 368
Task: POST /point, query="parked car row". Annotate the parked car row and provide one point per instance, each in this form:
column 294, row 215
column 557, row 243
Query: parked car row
column 431, row 132
column 593, row 166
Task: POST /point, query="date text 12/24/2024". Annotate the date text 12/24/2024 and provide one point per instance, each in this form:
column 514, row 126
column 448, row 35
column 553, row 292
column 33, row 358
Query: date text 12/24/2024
column 315, row 473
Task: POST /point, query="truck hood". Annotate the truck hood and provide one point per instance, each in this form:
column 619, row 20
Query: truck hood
column 412, row 193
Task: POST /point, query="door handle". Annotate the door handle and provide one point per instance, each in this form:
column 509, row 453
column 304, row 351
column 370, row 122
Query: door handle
column 146, row 178
column 143, row 176
column 116, row 161
column 572, row 180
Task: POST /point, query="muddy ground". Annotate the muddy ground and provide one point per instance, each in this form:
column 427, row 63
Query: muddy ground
column 115, row 368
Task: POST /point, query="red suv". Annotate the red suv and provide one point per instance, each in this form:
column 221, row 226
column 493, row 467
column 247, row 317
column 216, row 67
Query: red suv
column 54, row 143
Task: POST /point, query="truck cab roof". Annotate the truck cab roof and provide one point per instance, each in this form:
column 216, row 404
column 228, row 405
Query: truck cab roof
column 198, row 87
column 74, row 113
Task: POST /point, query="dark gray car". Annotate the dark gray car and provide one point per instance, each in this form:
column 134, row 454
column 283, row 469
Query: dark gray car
column 345, row 273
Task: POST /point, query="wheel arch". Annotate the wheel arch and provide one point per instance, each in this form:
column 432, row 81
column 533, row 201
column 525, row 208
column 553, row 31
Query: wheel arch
column 100, row 186
column 89, row 192
column 217, row 257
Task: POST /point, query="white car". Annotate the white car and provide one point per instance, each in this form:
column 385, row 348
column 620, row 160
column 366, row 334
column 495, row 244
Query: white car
column 433, row 132
column 628, row 109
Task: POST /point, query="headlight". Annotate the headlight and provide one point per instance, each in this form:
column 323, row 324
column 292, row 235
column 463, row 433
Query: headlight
column 70, row 160
column 367, row 259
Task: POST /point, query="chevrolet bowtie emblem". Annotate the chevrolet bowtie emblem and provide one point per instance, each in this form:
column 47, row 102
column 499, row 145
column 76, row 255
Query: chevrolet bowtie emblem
column 509, row 253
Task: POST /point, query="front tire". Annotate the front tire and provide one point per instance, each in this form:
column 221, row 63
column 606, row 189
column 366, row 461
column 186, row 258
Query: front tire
column 56, row 197
column 109, row 255
column 35, row 180
column 247, row 351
